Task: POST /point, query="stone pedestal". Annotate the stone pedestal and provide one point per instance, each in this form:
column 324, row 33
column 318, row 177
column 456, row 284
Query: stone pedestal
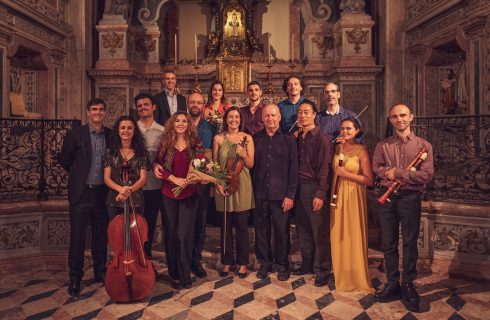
column 354, row 41
column 114, row 43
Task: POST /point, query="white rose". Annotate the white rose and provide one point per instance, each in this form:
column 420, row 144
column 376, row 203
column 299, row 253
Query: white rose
column 196, row 162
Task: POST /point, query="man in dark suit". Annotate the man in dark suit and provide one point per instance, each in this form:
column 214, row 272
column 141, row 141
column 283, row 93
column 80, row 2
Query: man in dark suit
column 169, row 100
column 82, row 156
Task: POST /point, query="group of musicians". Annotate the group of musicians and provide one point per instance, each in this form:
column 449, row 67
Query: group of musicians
column 286, row 158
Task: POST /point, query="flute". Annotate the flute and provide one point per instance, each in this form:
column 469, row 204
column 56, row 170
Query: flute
column 413, row 166
column 335, row 195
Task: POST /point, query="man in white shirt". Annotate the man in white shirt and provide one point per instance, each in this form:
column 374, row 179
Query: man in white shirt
column 152, row 133
column 169, row 100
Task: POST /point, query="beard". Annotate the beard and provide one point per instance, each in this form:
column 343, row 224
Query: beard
column 195, row 112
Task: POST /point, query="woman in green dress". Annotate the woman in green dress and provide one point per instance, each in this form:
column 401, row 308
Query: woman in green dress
column 233, row 208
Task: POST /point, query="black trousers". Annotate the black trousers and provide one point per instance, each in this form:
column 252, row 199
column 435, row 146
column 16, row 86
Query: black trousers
column 268, row 214
column 313, row 231
column 239, row 220
column 91, row 209
column 153, row 204
column 178, row 232
column 203, row 192
column 404, row 210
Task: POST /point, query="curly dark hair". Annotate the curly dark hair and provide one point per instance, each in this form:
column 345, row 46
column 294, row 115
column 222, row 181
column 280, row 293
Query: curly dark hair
column 225, row 124
column 137, row 142
column 293, row 76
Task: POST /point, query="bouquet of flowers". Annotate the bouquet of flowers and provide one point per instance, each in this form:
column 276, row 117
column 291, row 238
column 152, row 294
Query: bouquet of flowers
column 216, row 119
column 203, row 169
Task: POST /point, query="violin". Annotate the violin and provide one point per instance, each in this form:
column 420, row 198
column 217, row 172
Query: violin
column 234, row 166
column 130, row 275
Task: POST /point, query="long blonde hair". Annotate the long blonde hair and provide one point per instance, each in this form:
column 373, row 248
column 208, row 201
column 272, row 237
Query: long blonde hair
column 169, row 136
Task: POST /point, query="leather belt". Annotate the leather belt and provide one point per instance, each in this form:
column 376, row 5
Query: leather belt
column 93, row 186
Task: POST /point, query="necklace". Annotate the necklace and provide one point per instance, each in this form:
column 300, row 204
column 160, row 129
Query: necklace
column 126, row 155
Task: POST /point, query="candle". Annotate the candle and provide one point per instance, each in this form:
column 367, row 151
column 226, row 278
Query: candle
column 195, row 47
column 292, row 47
column 175, row 49
column 268, row 47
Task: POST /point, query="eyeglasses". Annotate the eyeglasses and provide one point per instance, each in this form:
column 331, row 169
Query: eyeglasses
column 331, row 91
column 200, row 103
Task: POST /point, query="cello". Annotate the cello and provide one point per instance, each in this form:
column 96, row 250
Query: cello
column 130, row 275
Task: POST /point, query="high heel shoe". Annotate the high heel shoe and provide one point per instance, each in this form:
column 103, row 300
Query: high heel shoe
column 244, row 274
column 224, row 272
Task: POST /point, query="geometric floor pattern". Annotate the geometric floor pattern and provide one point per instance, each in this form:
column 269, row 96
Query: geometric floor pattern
column 44, row 295
column 38, row 290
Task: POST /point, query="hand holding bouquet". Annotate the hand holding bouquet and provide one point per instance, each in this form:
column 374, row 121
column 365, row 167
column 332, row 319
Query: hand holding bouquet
column 201, row 169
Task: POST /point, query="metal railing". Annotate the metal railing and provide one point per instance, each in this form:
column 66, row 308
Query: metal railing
column 29, row 150
column 461, row 156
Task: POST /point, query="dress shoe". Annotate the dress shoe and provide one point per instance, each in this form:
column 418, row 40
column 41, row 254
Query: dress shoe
column 321, row 280
column 242, row 275
column 99, row 278
column 410, row 297
column 225, row 271
column 301, row 271
column 199, row 271
column 74, row 288
column 389, row 292
column 176, row 285
column 263, row 272
column 283, row 275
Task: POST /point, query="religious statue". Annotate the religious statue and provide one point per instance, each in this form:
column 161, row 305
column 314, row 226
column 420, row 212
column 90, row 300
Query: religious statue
column 447, row 90
column 352, row 6
column 117, row 7
column 213, row 44
column 254, row 41
column 234, row 27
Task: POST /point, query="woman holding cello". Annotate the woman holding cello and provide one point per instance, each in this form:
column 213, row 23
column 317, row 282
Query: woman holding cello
column 234, row 150
column 180, row 143
column 348, row 213
column 130, row 275
column 126, row 144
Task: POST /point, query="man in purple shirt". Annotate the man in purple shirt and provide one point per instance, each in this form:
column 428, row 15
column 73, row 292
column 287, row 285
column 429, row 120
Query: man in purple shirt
column 390, row 161
column 252, row 114
column 312, row 215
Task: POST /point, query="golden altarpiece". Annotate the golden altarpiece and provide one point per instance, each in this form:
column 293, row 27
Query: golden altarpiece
column 236, row 39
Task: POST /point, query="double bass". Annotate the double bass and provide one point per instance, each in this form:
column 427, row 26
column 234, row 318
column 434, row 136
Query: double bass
column 130, row 275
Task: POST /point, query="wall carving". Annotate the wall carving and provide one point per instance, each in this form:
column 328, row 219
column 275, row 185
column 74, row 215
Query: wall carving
column 116, row 100
column 111, row 41
column 461, row 238
column 324, row 43
column 48, row 9
column 357, row 36
column 19, row 235
column 30, row 90
column 58, row 232
column 145, row 45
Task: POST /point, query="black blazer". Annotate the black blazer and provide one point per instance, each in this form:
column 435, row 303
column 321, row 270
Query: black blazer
column 162, row 113
column 76, row 157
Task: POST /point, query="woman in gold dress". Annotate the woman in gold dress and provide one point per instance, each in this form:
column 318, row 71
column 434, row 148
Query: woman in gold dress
column 348, row 219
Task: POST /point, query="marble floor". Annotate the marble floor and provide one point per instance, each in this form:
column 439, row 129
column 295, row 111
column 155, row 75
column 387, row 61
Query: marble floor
column 36, row 288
